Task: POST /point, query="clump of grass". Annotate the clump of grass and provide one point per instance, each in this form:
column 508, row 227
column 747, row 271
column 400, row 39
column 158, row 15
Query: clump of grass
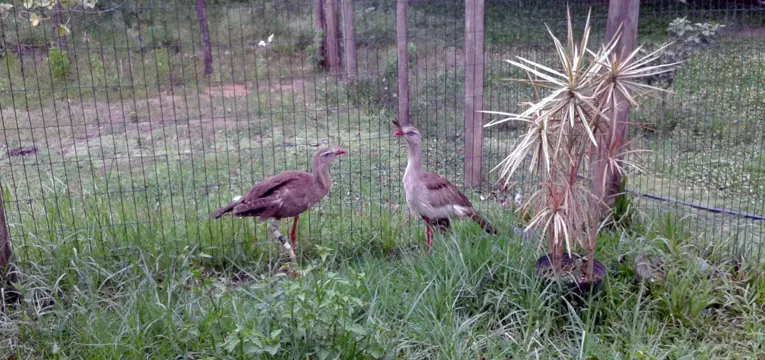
column 59, row 64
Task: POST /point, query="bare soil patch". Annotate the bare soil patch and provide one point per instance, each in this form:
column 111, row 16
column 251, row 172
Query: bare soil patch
column 228, row 91
column 750, row 33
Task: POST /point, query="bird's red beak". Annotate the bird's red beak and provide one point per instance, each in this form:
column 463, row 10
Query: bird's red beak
column 398, row 133
column 340, row 152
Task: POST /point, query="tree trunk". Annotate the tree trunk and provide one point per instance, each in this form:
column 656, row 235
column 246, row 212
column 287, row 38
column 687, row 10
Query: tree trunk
column 59, row 20
column 320, row 25
column 333, row 37
column 7, row 271
column 473, row 122
column 349, row 39
column 204, row 36
column 402, row 49
column 622, row 13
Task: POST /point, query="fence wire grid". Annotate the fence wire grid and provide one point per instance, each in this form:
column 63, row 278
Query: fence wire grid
column 115, row 140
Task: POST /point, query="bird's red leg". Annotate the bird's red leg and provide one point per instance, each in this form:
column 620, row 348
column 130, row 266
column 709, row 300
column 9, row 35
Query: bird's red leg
column 430, row 239
column 428, row 234
column 292, row 233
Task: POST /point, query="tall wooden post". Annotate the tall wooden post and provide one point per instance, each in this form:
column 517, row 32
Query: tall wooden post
column 320, row 27
column 204, row 36
column 624, row 13
column 349, row 40
column 7, row 272
column 333, row 36
column 402, row 51
column 474, row 35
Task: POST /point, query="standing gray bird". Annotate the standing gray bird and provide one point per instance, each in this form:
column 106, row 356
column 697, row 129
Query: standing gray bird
column 430, row 196
column 286, row 195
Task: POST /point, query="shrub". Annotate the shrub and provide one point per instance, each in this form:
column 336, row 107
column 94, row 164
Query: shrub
column 317, row 318
column 570, row 127
column 59, row 64
column 687, row 38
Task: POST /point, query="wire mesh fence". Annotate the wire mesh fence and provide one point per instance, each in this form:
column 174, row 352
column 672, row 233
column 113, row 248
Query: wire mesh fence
column 115, row 140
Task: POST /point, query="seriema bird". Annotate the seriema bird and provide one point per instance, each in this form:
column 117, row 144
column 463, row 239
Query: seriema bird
column 430, row 196
column 286, row 195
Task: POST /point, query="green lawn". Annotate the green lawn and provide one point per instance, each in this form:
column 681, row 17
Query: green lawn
column 475, row 296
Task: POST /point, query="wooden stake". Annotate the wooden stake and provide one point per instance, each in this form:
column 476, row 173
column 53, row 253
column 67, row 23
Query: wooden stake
column 474, row 36
column 7, row 271
column 320, row 26
column 626, row 14
column 349, row 40
column 333, row 37
column 204, row 36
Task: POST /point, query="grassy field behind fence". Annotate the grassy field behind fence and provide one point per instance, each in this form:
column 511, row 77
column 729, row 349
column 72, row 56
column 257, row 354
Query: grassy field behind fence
column 136, row 147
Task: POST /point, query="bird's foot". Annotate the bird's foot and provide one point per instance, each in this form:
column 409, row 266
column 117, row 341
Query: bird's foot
column 287, row 249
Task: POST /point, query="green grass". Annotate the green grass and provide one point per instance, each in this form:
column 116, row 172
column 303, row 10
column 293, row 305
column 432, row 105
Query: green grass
column 474, row 296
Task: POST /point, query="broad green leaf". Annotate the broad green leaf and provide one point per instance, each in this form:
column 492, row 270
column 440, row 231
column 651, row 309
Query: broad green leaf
column 323, row 354
column 231, row 343
column 272, row 349
column 250, row 349
column 355, row 328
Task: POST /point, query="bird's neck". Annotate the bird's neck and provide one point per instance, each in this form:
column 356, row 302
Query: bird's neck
column 414, row 161
column 321, row 176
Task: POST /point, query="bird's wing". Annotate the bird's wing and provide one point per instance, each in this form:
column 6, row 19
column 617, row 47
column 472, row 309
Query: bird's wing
column 270, row 186
column 266, row 192
column 442, row 193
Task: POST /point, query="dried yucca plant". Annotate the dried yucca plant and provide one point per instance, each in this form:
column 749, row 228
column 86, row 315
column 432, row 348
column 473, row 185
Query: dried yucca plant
column 570, row 129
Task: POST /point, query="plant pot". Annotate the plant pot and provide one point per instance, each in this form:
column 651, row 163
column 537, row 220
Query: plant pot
column 573, row 273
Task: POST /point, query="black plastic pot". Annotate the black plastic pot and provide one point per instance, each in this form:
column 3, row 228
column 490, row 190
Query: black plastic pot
column 581, row 288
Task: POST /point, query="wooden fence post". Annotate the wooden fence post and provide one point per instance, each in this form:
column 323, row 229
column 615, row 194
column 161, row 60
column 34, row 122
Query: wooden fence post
column 474, row 36
column 626, row 14
column 333, row 36
column 349, row 40
column 204, row 36
column 320, row 27
column 402, row 49
column 8, row 273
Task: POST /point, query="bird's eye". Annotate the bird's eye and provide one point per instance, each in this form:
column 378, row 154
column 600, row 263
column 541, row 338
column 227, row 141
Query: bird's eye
column 411, row 133
column 327, row 154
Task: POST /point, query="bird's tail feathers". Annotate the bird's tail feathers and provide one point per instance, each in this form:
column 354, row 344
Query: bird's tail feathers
column 224, row 210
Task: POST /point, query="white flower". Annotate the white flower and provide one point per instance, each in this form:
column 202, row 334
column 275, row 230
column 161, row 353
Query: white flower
column 262, row 43
column 237, row 198
column 271, row 38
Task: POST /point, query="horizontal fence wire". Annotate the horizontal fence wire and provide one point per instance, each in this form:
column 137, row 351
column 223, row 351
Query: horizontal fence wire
column 114, row 140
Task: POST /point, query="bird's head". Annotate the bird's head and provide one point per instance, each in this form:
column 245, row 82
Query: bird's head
column 408, row 132
column 326, row 155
